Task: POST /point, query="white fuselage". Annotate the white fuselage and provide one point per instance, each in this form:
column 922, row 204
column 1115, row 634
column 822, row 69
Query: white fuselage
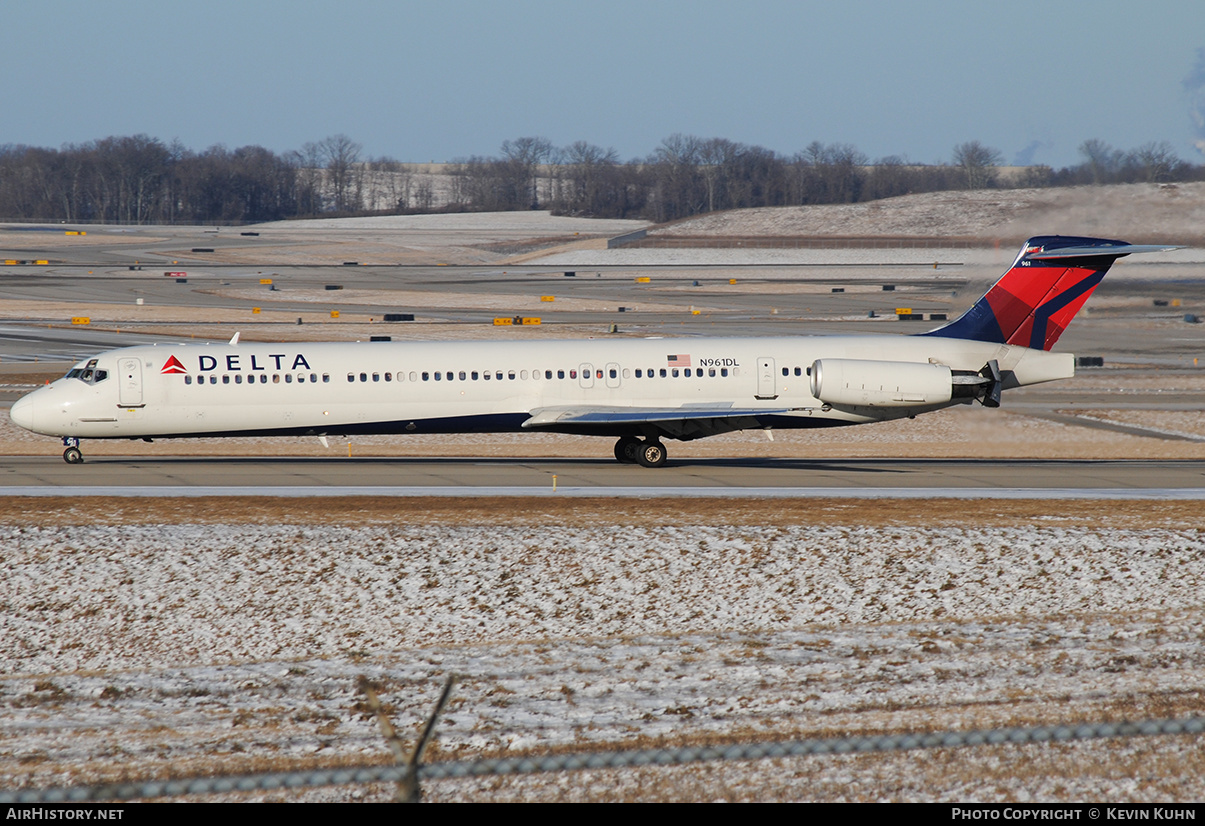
column 415, row 387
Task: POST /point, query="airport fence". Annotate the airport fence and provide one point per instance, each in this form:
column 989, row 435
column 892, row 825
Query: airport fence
column 408, row 771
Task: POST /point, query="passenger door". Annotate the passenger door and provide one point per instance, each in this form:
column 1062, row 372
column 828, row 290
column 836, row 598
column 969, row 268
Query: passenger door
column 129, row 383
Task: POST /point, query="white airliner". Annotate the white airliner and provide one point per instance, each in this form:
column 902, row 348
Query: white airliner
column 639, row 391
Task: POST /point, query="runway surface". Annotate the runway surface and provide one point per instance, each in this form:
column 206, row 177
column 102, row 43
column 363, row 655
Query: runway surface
column 869, row 478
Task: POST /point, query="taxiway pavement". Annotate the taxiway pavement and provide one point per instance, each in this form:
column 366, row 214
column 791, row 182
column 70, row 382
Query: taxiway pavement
column 108, row 475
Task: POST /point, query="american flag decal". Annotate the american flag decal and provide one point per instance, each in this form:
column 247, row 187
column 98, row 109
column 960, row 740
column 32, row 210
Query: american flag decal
column 679, row 360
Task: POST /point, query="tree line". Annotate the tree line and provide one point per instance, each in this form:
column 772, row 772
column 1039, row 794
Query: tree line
column 141, row 180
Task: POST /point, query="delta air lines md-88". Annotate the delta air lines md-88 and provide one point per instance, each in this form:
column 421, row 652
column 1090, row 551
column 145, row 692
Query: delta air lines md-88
column 639, row 392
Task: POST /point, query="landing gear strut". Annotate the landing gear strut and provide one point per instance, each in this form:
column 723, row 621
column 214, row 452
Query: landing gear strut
column 649, row 453
column 72, row 454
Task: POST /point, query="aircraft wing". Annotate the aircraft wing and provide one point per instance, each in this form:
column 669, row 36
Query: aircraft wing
column 686, row 422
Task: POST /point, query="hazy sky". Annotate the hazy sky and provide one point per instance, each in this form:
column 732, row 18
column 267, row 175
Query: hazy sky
column 422, row 81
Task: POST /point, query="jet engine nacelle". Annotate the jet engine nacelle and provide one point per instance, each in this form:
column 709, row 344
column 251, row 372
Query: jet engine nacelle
column 880, row 383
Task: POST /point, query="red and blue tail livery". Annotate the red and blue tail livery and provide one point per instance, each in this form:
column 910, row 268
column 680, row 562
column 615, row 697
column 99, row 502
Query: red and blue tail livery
column 1036, row 299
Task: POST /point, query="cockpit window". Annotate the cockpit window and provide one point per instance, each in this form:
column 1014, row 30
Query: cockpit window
column 88, row 374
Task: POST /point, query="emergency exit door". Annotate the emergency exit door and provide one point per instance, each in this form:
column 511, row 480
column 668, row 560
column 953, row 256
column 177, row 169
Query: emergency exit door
column 766, row 381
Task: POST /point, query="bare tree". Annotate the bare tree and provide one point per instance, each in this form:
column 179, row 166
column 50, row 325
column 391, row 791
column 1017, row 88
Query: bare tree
column 977, row 162
column 828, row 174
column 308, row 161
column 341, row 156
column 589, row 178
column 677, row 189
column 424, row 195
column 1156, row 161
column 716, row 159
column 1101, row 161
column 524, row 157
column 394, row 179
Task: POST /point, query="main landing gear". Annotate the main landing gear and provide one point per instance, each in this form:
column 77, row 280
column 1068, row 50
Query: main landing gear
column 648, row 453
column 72, row 454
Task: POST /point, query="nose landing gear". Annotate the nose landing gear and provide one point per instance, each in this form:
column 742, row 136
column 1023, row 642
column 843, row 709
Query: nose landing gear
column 72, row 454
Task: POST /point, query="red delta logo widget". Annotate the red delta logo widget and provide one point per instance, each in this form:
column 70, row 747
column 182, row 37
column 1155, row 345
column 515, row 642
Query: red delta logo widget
column 173, row 365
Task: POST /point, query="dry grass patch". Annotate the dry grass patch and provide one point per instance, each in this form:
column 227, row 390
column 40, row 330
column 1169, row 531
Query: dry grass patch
column 587, row 512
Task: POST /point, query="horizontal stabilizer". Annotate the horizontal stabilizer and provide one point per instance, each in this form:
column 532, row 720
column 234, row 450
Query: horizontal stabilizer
column 1083, row 252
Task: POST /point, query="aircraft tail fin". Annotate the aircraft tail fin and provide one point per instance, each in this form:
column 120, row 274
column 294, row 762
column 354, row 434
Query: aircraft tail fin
column 1050, row 279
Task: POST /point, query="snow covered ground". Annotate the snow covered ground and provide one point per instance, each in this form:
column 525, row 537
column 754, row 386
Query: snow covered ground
column 131, row 649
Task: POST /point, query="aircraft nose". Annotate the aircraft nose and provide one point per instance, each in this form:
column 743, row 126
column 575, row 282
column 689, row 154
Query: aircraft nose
column 22, row 412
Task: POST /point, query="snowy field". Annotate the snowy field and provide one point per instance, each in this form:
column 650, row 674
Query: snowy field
column 134, row 647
